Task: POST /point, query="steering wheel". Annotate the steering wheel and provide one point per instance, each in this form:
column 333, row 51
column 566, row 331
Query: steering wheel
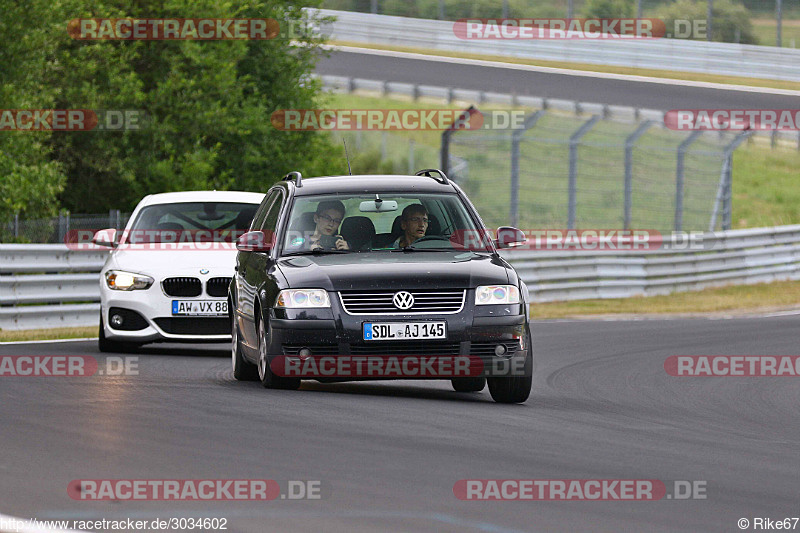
column 428, row 238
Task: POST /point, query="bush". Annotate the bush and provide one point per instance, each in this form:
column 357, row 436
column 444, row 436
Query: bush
column 728, row 16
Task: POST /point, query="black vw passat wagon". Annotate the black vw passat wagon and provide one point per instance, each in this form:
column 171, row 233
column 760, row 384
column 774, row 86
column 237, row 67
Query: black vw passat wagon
column 378, row 277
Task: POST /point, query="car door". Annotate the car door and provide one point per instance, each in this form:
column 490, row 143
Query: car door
column 247, row 273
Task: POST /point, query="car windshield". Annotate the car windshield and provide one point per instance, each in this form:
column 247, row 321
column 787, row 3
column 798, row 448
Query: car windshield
column 380, row 222
column 206, row 221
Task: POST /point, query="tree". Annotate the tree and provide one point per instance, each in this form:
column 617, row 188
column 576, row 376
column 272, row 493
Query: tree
column 207, row 103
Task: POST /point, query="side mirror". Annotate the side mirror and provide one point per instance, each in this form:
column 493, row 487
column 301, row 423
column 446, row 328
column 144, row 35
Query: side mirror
column 106, row 237
column 508, row 237
column 254, row 241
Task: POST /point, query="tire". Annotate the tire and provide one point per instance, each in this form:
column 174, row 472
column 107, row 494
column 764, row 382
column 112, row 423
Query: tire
column 514, row 389
column 107, row 345
column 468, row 384
column 242, row 370
column 265, row 375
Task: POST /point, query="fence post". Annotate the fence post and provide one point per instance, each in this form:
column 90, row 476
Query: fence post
column 682, row 148
column 629, row 142
column 574, row 141
column 16, row 225
column 444, row 151
column 723, row 196
column 516, row 137
column 411, row 163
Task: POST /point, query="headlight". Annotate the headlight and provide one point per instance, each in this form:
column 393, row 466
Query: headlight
column 119, row 280
column 496, row 294
column 303, row 298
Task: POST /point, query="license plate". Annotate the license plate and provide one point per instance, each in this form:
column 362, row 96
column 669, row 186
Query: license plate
column 199, row 307
column 399, row 331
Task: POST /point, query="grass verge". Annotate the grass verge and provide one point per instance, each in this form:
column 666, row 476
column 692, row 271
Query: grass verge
column 611, row 69
column 738, row 299
column 47, row 334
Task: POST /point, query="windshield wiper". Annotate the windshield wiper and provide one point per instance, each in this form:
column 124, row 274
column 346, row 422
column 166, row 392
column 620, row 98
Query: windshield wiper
column 318, row 252
column 412, row 248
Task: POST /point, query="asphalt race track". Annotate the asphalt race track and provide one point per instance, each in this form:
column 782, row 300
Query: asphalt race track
column 388, row 454
column 583, row 88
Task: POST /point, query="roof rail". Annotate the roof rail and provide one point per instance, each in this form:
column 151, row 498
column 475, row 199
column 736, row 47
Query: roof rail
column 427, row 172
column 294, row 176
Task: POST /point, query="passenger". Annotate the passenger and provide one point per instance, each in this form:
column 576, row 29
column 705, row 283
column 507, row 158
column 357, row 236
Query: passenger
column 414, row 223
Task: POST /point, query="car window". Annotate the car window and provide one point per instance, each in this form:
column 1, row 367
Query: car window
column 258, row 220
column 219, row 220
column 373, row 228
column 271, row 219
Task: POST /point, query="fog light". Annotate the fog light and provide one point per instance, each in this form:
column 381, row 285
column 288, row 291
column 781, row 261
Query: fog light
column 116, row 320
column 304, row 352
column 500, row 349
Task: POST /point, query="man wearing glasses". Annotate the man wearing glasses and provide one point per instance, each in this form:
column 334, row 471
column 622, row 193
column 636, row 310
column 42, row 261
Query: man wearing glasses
column 327, row 219
column 414, row 223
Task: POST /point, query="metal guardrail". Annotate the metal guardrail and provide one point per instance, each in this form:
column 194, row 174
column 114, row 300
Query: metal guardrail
column 735, row 257
column 725, row 59
column 47, row 285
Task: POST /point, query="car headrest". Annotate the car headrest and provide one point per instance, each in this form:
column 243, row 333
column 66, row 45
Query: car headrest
column 434, row 228
column 169, row 226
column 358, row 231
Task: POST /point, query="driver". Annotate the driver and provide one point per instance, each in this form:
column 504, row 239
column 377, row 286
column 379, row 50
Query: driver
column 327, row 219
column 414, row 223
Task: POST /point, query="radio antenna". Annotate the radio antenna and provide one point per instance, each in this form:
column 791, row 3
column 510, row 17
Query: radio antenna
column 347, row 157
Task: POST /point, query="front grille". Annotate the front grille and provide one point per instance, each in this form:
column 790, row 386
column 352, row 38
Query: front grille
column 316, row 349
column 485, row 349
column 182, row 286
column 425, row 301
column 406, row 348
column 218, row 287
column 195, row 325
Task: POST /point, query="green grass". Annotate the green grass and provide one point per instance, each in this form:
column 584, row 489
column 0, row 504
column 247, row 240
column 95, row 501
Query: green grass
column 766, row 31
column 47, row 334
column 766, row 188
column 738, row 299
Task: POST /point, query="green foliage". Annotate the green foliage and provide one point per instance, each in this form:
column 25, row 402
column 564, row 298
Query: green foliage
column 728, row 17
column 609, row 9
column 207, row 103
column 29, row 180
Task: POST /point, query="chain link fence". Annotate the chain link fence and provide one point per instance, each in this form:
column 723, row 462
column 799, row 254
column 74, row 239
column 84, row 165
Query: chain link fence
column 589, row 172
column 54, row 230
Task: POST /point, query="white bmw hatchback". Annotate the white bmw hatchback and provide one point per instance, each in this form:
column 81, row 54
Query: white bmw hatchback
column 166, row 277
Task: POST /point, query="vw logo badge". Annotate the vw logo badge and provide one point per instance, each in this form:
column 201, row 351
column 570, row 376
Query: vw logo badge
column 204, row 271
column 403, row 300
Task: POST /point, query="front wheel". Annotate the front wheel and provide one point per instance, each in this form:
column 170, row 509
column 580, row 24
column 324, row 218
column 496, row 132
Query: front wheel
column 514, row 389
column 468, row 384
column 106, row 345
column 265, row 375
column 242, row 370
